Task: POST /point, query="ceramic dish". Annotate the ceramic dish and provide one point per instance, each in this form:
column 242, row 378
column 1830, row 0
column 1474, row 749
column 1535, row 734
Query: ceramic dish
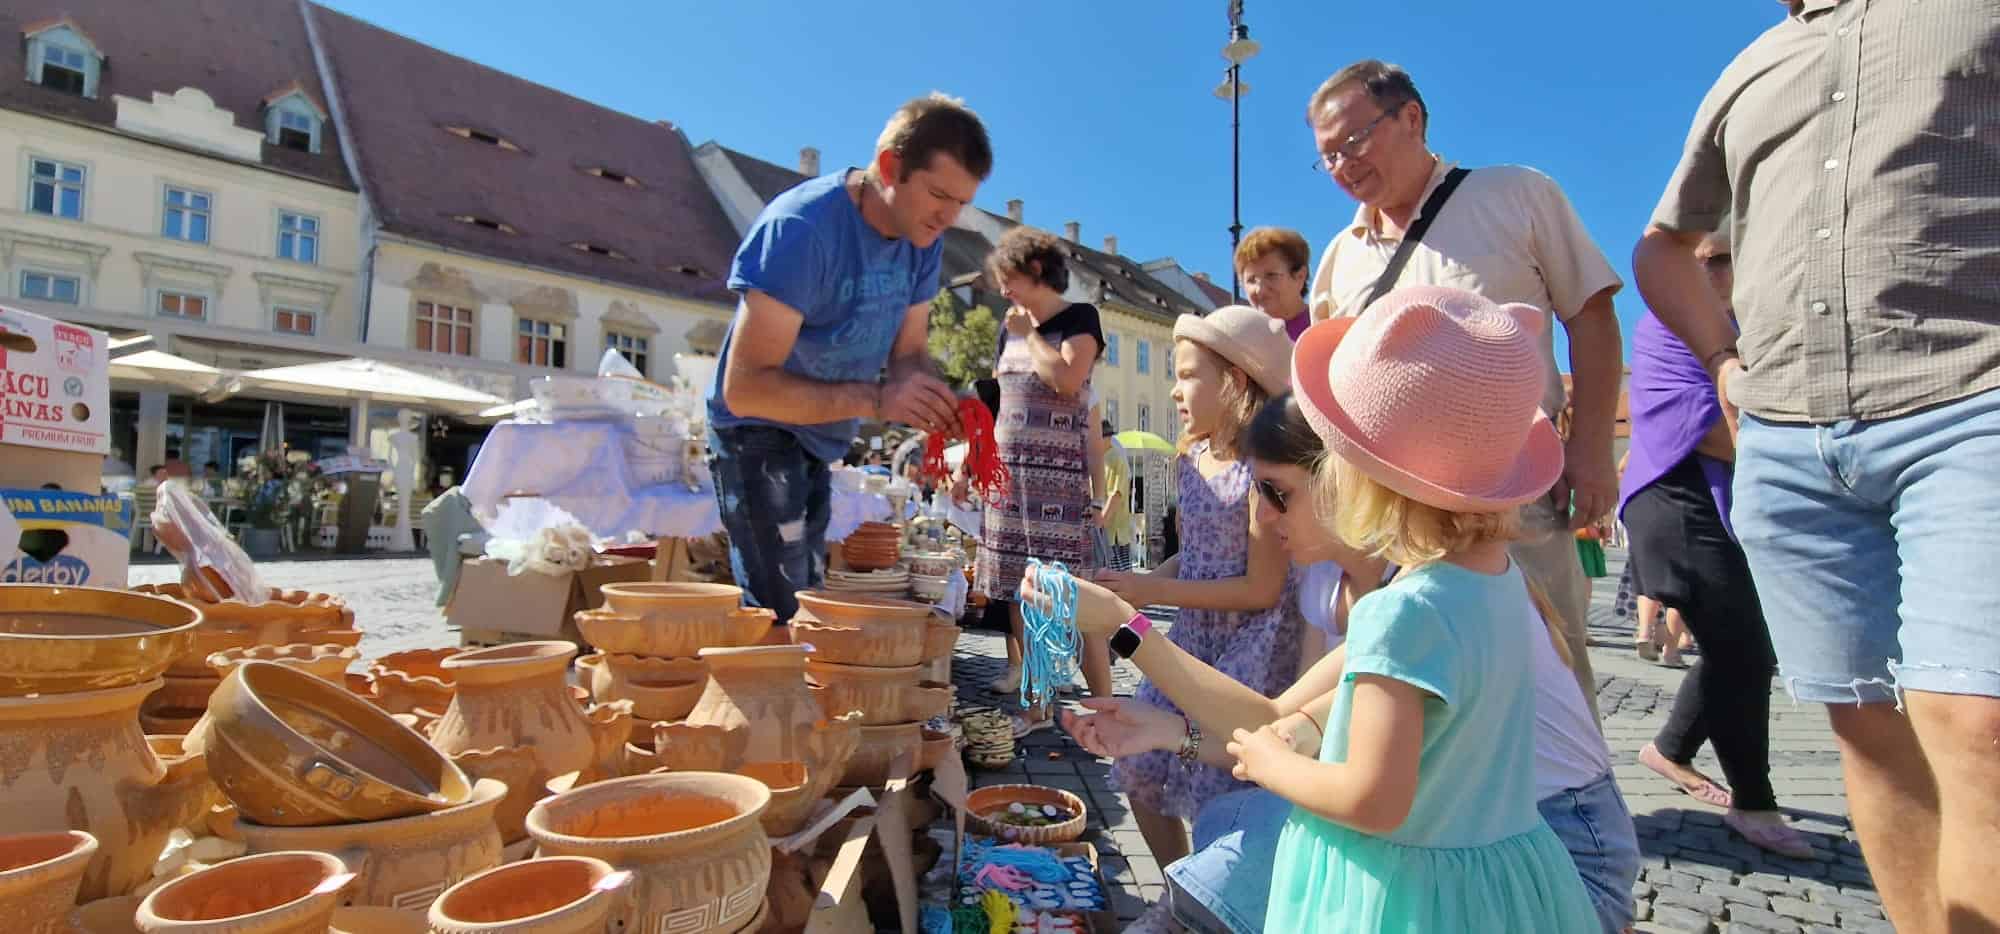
column 57, row 640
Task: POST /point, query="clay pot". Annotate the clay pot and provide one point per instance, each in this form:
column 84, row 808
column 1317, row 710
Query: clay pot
column 934, row 748
column 173, row 753
column 792, row 794
column 692, row 839
column 39, row 875
column 115, row 915
column 853, row 609
column 877, row 751
column 764, row 689
column 640, row 759
column 360, row 684
column 663, row 635
column 659, row 688
column 889, row 644
column 939, row 641
column 283, row 617
column 405, row 681
column 679, row 603
column 515, row 767
column 883, row 695
column 289, row 749
column 275, row 893
column 403, row 863
column 517, row 697
column 208, row 640
column 328, row 661
column 62, row 640
column 984, row 802
column 551, row 895
column 79, row 762
column 354, row 919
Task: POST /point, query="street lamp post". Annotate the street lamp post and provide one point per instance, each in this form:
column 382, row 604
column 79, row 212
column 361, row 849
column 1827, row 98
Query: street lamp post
column 1239, row 49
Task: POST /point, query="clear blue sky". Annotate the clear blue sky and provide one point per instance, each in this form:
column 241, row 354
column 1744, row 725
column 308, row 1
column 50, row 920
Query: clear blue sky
column 1101, row 111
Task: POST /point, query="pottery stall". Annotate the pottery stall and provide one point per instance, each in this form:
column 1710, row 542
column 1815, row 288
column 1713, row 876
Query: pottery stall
column 286, row 617
column 648, row 638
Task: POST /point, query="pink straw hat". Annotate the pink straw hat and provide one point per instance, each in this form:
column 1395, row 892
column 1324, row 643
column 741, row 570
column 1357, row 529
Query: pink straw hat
column 1434, row 393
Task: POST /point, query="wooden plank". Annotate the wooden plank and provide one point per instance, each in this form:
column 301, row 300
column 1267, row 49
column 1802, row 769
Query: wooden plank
column 839, row 907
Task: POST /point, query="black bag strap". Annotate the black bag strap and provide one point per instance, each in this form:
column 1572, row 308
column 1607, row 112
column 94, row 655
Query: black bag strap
column 1415, row 235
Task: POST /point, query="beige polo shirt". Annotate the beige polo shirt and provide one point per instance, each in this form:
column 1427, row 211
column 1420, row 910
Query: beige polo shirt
column 1507, row 233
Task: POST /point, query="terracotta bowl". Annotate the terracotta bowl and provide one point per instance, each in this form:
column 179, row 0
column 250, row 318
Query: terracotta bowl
column 114, row 915
column 792, row 794
column 848, row 609
column 936, row 747
column 555, row 894
column 877, row 752
column 329, row 661
column 289, row 749
column 940, row 639
column 178, row 705
column 61, row 640
column 884, row 696
column 208, row 640
column 355, row 919
column 272, row 892
column 416, row 678
column 39, row 877
column 671, row 601
column 282, row 617
column 887, row 643
column 659, row 688
column 984, row 802
column 668, row 636
column 406, row 862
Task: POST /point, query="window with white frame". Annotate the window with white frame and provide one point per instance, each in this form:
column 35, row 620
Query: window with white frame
column 56, row 188
column 61, row 59
column 1111, row 348
column 50, row 287
column 183, row 305
column 541, row 343
column 294, row 321
column 298, row 237
column 444, row 329
column 185, row 215
column 1145, row 417
column 635, row 349
column 293, row 123
column 1111, row 413
column 1144, row 363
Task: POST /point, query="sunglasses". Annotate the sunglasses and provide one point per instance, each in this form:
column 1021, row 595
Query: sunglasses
column 1272, row 495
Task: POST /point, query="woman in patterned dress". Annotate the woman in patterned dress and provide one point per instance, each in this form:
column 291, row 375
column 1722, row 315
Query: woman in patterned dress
column 1047, row 353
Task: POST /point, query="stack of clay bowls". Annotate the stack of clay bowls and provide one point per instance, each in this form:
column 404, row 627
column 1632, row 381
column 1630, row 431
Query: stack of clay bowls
column 868, row 655
column 310, row 766
column 875, row 546
column 286, row 617
column 649, row 637
column 76, row 663
column 413, row 682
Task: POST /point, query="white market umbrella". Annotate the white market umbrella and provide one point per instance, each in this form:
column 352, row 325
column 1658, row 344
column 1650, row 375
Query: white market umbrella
column 360, row 379
column 160, row 367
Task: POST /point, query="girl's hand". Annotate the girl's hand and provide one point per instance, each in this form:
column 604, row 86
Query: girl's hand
column 1099, row 612
column 1120, row 727
column 1133, row 587
column 1020, row 321
column 1259, row 753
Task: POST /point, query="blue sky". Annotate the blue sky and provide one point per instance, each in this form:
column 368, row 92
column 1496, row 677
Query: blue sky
column 1101, row 111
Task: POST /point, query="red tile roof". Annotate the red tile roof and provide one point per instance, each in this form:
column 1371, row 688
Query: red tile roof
column 1216, row 294
column 398, row 95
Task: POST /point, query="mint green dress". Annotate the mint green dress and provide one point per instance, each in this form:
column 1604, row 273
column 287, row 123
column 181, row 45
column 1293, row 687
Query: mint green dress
column 1474, row 854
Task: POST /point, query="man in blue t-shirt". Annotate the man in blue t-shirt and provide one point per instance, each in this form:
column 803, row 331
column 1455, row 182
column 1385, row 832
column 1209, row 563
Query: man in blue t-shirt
column 836, row 278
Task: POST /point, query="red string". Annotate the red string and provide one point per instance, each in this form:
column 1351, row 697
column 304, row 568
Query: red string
column 983, row 468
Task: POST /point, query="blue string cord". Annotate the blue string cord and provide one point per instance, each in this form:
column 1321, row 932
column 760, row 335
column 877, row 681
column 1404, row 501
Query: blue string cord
column 1049, row 640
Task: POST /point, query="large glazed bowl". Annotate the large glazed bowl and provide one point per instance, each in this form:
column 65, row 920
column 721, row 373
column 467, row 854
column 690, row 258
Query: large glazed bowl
column 290, row 750
column 60, row 640
column 667, row 635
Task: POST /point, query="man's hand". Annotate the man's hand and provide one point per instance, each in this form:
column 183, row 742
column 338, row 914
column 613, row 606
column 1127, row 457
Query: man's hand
column 1731, row 368
column 1590, row 475
column 918, row 399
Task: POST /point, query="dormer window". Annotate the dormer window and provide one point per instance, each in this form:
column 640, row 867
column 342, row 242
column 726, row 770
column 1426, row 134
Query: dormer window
column 597, row 250
column 61, row 59
column 613, row 175
column 293, row 121
column 482, row 136
column 486, row 223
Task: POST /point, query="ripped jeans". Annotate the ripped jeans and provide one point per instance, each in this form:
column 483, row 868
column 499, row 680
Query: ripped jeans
column 774, row 499
column 1874, row 546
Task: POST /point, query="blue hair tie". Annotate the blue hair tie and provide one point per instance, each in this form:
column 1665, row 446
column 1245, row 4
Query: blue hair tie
column 1049, row 640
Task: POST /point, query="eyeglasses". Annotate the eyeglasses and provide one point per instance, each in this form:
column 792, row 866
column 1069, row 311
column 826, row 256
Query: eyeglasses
column 1269, row 278
column 1272, row 495
column 1352, row 146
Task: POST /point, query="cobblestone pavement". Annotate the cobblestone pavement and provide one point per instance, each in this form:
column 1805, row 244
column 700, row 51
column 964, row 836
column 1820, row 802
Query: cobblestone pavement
column 1698, row 875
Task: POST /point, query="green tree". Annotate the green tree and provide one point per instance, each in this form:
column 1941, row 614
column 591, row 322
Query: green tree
column 962, row 340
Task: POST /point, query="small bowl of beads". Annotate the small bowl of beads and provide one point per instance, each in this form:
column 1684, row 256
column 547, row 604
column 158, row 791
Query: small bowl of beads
column 1026, row 814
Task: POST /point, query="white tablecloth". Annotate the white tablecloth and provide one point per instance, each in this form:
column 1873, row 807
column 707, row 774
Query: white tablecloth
column 580, row 466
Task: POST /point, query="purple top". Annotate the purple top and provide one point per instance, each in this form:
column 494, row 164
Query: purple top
column 1673, row 406
column 1297, row 325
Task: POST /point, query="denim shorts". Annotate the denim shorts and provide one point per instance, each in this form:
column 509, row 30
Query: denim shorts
column 1224, row 886
column 1873, row 545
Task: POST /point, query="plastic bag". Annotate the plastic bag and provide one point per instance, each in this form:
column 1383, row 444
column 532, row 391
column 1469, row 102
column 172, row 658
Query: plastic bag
column 213, row 567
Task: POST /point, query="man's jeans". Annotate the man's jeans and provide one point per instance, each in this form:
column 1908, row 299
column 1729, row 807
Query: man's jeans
column 774, row 499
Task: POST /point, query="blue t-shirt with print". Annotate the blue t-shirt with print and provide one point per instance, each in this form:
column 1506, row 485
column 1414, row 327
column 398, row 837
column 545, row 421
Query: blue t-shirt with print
column 811, row 249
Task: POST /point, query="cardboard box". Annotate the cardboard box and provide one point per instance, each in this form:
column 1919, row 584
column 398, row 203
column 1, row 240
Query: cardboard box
column 487, row 599
column 55, row 384
column 27, row 468
column 70, row 539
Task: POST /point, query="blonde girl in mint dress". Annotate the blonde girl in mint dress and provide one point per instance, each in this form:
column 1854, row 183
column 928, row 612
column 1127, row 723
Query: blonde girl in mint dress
column 1418, row 812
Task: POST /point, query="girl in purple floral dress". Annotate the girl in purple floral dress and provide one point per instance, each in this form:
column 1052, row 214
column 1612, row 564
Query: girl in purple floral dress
column 1231, row 580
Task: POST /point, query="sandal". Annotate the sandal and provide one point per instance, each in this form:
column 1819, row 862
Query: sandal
column 1007, row 683
column 1779, row 838
column 1647, row 641
column 1706, row 790
column 1023, row 726
column 1669, row 657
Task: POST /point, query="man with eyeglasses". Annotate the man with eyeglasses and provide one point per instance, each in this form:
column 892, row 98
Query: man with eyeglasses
column 1508, row 233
